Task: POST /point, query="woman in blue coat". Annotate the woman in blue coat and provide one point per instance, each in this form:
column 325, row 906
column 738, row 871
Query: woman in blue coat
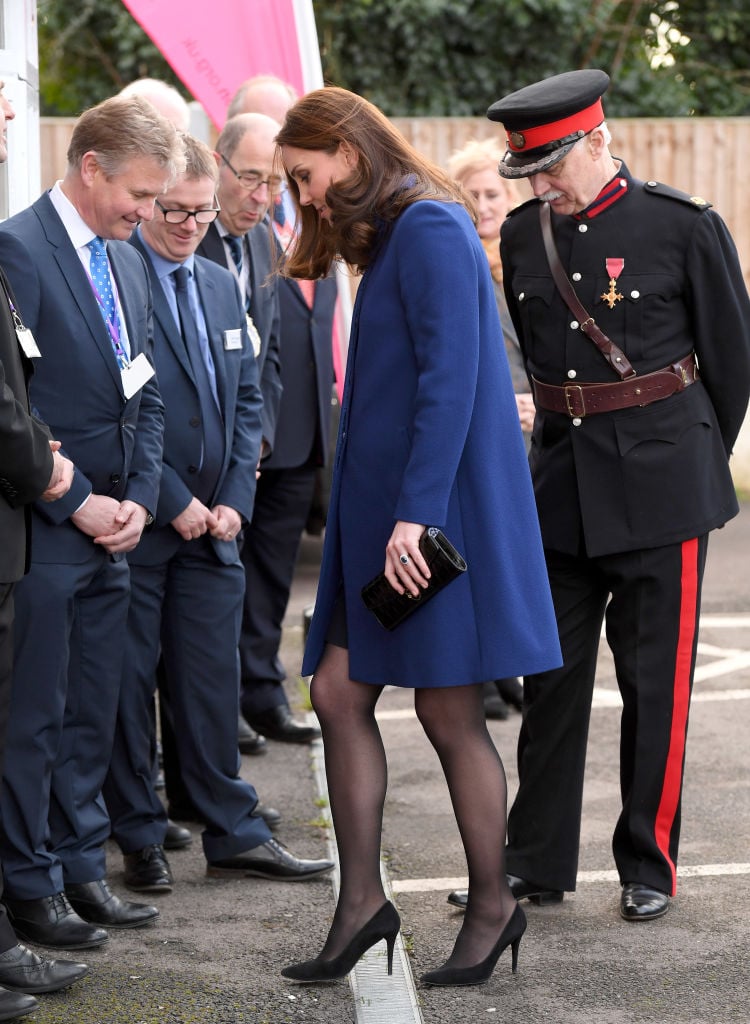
column 429, row 436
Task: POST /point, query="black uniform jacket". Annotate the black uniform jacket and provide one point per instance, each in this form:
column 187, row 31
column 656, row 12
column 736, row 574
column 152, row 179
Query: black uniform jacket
column 657, row 474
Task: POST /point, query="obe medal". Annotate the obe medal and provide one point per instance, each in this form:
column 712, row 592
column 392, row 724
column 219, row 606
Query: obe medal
column 614, row 269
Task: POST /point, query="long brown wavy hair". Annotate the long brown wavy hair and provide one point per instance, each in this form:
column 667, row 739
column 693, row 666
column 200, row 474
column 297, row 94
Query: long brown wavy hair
column 390, row 175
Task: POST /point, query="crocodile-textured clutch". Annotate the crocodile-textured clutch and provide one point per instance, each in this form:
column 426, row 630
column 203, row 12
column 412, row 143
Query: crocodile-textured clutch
column 391, row 608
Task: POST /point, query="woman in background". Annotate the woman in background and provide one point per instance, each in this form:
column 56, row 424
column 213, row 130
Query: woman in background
column 429, row 436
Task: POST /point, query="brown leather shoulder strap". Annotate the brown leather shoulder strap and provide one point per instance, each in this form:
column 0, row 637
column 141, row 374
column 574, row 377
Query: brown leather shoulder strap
column 614, row 356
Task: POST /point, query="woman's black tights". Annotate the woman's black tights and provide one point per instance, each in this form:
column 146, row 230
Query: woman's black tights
column 453, row 719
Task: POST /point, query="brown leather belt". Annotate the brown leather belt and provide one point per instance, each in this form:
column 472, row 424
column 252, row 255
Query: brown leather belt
column 579, row 400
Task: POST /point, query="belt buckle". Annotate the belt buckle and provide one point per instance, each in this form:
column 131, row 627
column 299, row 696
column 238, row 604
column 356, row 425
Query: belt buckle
column 572, row 412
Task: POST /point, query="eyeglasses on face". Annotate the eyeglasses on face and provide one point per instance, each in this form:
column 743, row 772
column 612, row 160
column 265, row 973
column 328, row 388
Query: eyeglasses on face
column 252, row 180
column 180, row 216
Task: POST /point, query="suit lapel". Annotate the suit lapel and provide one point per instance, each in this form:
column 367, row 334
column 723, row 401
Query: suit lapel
column 79, row 285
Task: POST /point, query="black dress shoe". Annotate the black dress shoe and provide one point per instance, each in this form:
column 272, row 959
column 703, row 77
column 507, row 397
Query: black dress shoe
column 642, row 903
column 248, row 740
column 520, row 888
column 183, row 812
column 24, row 971
column 177, row 837
column 270, row 815
column 16, row 1004
column 51, row 921
column 511, row 690
column 147, row 870
column 494, row 705
column 96, row 903
column 269, row 860
column 277, row 724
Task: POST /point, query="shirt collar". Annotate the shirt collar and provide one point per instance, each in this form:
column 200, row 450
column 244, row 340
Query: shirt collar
column 79, row 232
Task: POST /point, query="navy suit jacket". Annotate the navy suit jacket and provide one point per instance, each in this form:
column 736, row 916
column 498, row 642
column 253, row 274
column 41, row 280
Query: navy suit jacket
column 306, row 374
column 115, row 442
column 264, row 310
column 239, row 397
column 25, row 457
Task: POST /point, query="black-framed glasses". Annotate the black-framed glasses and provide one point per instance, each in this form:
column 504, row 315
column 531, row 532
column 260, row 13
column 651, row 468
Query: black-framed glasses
column 250, row 180
column 180, row 216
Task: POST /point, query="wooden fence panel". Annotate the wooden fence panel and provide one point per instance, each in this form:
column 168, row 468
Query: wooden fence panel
column 703, row 156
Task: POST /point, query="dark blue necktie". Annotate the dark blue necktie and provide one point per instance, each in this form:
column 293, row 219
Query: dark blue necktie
column 236, row 248
column 213, row 427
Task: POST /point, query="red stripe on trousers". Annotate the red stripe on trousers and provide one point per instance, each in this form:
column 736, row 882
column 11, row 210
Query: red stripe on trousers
column 670, row 794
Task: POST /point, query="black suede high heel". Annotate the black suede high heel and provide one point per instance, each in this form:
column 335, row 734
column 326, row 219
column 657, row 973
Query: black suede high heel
column 382, row 925
column 481, row 972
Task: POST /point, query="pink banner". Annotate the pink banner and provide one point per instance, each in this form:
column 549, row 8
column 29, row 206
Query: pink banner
column 214, row 45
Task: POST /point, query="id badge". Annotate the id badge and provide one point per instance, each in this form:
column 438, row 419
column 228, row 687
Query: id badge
column 252, row 330
column 28, row 343
column 233, row 339
column 136, row 374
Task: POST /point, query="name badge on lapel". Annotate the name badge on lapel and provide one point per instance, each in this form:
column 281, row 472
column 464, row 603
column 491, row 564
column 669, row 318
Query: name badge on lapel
column 135, row 375
column 252, row 330
column 233, row 339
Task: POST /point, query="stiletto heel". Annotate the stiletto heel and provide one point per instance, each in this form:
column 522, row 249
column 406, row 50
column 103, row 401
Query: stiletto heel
column 391, row 941
column 481, row 972
column 384, row 924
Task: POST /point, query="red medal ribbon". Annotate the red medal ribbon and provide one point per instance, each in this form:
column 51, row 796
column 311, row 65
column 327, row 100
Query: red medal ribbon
column 614, row 267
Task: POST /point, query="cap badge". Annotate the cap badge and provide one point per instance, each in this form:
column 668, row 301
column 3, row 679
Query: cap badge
column 614, row 267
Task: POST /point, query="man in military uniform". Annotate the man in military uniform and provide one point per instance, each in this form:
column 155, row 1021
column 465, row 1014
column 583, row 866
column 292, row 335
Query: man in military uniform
column 640, row 395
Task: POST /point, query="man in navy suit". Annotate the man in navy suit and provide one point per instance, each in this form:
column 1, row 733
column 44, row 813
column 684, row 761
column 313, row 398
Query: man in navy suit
column 187, row 581
column 85, row 297
column 31, row 468
column 245, row 152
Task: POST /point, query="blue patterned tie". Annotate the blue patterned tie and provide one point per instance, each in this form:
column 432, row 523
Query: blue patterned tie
column 99, row 269
column 99, row 264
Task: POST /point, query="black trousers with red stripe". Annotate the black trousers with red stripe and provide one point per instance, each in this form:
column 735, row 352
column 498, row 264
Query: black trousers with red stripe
column 650, row 600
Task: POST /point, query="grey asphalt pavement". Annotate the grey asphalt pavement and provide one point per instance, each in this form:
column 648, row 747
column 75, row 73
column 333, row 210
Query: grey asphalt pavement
column 214, row 955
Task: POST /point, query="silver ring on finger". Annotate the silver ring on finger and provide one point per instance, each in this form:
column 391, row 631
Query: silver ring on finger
column 403, row 559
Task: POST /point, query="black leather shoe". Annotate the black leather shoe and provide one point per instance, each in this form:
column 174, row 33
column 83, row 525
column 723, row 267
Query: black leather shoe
column 511, row 690
column 277, row 724
column 248, row 740
column 16, row 1004
column 642, row 903
column 520, row 888
column 51, row 921
column 96, row 903
column 24, row 971
column 177, row 837
column 495, row 707
column 147, row 870
column 269, row 860
column 183, row 812
column 270, row 815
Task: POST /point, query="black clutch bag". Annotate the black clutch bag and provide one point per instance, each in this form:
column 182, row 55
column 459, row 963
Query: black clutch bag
column 391, row 608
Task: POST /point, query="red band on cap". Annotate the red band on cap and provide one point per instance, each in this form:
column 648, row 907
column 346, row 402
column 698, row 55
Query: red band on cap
column 540, row 135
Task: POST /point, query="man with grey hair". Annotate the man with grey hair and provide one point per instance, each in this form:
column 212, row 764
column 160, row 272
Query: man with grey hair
column 163, row 96
column 263, row 94
column 86, row 299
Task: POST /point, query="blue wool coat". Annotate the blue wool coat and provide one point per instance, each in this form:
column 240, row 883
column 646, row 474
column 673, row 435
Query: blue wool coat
column 429, row 434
